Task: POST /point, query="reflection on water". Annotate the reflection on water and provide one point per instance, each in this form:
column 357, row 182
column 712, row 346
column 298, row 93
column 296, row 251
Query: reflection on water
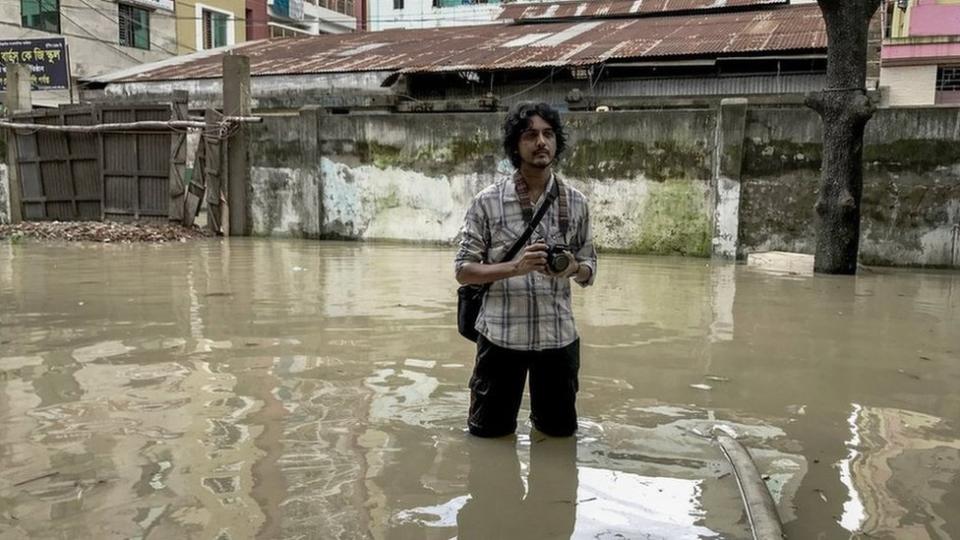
column 897, row 454
column 302, row 390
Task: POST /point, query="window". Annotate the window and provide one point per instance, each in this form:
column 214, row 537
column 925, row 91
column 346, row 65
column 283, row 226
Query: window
column 134, row 26
column 340, row 6
column 397, row 4
column 41, row 15
column 282, row 31
column 948, row 78
column 214, row 29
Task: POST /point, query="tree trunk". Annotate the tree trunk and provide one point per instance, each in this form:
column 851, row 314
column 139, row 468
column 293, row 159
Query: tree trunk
column 845, row 110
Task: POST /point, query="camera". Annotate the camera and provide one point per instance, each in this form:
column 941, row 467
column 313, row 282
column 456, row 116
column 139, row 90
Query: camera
column 557, row 260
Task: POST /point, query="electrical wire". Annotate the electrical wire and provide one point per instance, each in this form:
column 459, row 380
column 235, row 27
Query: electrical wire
column 388, row 19
column 84, row 28
column 130, row 20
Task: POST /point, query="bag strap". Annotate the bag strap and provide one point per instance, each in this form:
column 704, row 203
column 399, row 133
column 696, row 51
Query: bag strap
column 532, row 226
column 528, row 232
column 523, row 194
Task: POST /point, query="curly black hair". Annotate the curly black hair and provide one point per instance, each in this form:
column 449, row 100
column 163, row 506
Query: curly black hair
column 518, row 120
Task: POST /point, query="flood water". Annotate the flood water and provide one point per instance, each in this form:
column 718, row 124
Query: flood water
column 295, row 389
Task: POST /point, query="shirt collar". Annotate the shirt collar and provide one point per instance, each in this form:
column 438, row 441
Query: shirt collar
column 510, row 189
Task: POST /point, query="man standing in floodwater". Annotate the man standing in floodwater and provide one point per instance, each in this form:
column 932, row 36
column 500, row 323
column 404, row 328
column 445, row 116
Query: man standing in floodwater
column 526, row 322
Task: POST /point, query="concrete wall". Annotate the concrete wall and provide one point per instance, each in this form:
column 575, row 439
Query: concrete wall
column 689, row 182
column 911, row 202
column 91, row 32
column 411, row 177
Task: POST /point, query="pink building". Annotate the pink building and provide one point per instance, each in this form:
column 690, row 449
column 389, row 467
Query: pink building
column 920, row 60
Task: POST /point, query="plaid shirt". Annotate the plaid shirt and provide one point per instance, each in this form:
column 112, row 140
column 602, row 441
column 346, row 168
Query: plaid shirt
column 531, row 312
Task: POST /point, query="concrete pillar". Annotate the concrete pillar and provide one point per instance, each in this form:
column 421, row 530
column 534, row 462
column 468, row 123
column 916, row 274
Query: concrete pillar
column 731, row 127
column 18, row 99
column 237, row 102
column 309, row 187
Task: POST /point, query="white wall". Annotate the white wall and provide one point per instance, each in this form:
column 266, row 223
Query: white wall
column 422, row 14
column 908, row 85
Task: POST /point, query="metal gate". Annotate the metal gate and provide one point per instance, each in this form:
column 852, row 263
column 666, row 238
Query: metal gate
column 59, row 174
column 96, row 176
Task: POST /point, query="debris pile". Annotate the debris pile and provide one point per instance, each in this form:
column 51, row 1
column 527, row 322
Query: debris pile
column 98, row 231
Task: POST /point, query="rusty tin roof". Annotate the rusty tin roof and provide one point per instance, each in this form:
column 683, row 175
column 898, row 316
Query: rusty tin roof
column 792, row 28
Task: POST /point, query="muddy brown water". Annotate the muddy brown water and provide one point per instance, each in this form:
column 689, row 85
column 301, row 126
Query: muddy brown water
column 295, row 389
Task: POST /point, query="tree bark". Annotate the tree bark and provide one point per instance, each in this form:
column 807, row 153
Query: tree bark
column 845, row 110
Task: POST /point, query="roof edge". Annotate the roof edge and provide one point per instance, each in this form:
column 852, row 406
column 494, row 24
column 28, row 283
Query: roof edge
column 763, row 6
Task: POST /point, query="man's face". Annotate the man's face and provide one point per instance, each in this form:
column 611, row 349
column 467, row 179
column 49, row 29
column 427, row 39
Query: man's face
column 538, row 144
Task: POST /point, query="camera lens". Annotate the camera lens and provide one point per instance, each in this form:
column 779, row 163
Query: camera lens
column 559, row 262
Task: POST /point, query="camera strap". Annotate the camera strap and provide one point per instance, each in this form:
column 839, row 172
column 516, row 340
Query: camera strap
column 523, row 193
column 528, row 232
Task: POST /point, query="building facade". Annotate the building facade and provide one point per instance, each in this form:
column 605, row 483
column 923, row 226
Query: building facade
column 390, row 14
column 101, row 36
column 920, row 62
column 257, row 20
column 210, row 24
column 298, row 18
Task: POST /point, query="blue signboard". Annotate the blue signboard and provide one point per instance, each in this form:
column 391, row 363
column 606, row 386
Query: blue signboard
column 46, row 59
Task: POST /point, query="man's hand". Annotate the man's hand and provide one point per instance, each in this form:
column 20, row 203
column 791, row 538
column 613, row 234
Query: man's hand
column 533, row 258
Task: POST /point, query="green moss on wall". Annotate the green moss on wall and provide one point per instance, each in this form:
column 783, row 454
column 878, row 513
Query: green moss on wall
column 912, row 154
column 659, row 161
column 675, row 221
column 459, row 155
column 391, row 199
column 767, row 158
column 380, row 155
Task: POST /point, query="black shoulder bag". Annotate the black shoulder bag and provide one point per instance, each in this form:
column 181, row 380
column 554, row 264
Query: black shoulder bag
column 470, row 297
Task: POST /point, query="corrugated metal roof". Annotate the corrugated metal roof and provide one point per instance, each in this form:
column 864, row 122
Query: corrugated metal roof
column 613, row 8
column 502, row 47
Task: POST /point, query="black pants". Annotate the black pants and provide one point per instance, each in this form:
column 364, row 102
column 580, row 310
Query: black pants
column 496, row 389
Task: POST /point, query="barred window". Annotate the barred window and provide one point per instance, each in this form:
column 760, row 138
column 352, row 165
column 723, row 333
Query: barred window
column 948, row 78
